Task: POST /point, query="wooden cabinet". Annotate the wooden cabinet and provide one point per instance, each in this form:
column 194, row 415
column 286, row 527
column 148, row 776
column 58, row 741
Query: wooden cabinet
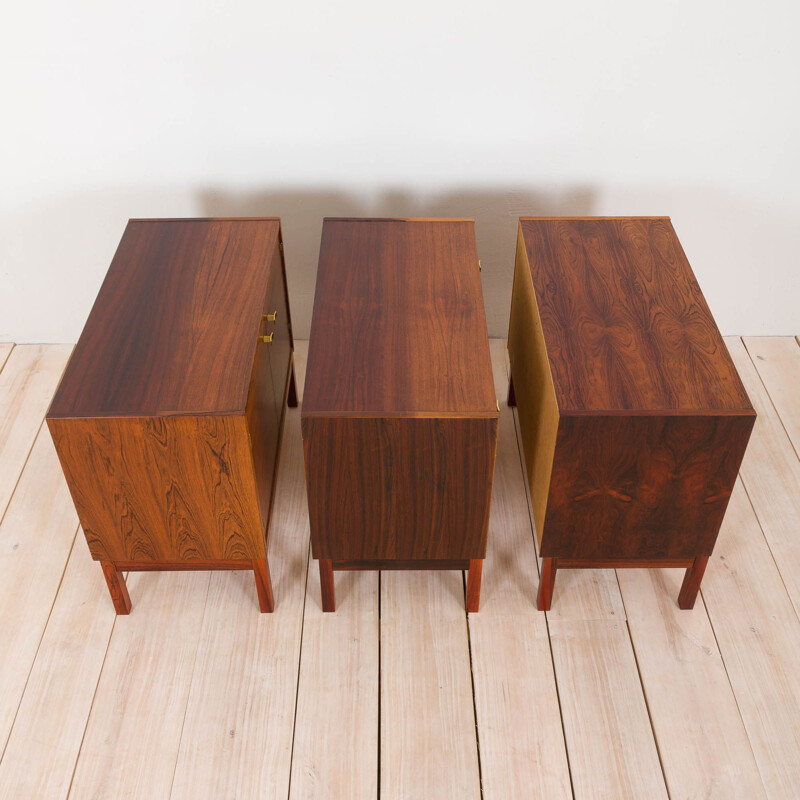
column 633, row 418
column 399, row 413
column 168, row 418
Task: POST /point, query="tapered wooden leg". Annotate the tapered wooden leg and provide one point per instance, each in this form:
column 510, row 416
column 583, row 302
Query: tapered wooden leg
column 291, row 399
column 474, row 584
column 691, row 583
column 547, row 581
column 116, row 587
column 326, row 582
column 512, row 399
column 263, row 586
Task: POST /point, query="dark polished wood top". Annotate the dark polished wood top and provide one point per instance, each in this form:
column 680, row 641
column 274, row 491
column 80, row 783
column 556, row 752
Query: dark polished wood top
column 626, row 326
column 174, row 327
column 399, row 325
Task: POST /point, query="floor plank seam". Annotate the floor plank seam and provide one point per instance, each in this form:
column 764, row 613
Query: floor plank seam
column 8, row 354
column 744, row 482
column 91, row 706
column 769, row 396
column 472, row 683
column 644, row 696
column 39, row 645
column 560, row 710
column 82, row 714
column 299, row 664
column 379, row 685
column 769, row 548
column 532, row 527
column 733, row 691
column 191, row 682
column 19, row 476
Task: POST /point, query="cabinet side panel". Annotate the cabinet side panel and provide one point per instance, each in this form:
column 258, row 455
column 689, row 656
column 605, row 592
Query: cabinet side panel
column 642, row 487
column 533, row 386
column 162, row 489
column 399, row 488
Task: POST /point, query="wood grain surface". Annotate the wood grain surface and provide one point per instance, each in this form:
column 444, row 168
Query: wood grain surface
column 168, row 419
column 634, row 420
column 399, row 413
column 173, row 329
column 162, row 489
column 399, row 488
column 625, row 323
column 263, row 417
column 398, row 324
column 641, row 487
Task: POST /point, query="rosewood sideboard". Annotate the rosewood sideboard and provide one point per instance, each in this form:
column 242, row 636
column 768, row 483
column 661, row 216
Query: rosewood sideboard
column 168, row 418
column 399, row 413
column 632, row 416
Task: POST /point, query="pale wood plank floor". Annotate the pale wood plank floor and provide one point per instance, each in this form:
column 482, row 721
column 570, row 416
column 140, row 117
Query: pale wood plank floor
column 614, row 693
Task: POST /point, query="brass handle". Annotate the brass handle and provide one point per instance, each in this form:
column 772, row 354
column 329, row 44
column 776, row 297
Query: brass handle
column 267, row 339
column 270, row 317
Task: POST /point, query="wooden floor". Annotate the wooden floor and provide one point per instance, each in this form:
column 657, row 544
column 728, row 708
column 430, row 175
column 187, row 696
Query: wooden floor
column 615, row 693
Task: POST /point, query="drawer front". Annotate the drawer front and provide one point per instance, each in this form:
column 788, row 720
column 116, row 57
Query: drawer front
column 280, row 348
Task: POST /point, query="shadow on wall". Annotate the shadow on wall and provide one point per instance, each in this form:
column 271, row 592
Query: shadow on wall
column 55, row 251
column 495, row 211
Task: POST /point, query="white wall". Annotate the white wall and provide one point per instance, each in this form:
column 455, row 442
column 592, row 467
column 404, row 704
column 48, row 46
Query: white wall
column 491, row 110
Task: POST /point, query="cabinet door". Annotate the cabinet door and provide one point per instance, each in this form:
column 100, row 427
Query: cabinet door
column 263, row 420
column 281, row 345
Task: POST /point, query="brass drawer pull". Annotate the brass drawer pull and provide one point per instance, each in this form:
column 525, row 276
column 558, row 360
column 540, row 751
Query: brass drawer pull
column 267, row 339
column 270, row 317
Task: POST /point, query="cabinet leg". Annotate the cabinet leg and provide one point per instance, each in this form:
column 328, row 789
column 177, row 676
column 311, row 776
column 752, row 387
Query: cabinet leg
column 512, row 399
column 116, row 587
column 263, row 586
column 691, row 583
column 474, row 584
column 547, row 581
column 326, row 583
column 291, row 399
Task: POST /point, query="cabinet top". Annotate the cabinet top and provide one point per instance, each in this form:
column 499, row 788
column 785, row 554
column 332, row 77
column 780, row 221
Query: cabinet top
column 174, row 327
column 625, row 324
column 398, row 327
